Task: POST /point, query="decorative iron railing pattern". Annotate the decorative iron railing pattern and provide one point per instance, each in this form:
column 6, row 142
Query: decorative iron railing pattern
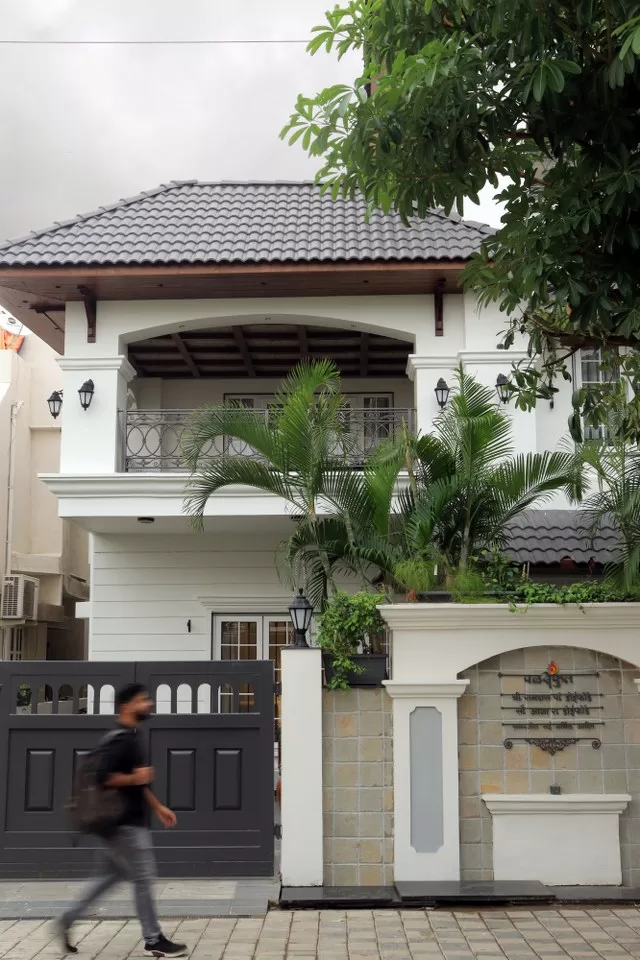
column 152, row 438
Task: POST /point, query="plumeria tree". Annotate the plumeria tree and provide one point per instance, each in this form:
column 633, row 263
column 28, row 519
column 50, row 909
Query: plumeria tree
column 456, row 95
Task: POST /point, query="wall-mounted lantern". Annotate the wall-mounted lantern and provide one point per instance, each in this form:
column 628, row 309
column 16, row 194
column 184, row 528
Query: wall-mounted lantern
column 55, row 403
column 442, row 392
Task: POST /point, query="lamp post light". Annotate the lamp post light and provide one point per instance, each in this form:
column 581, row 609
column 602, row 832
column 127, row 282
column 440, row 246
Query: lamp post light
column 300, row 612
column 55, row 403
column 442, row 392
column 503, row 388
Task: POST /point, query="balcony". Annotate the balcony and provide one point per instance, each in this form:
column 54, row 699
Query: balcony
column 152, row 438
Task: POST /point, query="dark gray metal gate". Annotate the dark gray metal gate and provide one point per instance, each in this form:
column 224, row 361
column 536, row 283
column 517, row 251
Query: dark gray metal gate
column 210, row 740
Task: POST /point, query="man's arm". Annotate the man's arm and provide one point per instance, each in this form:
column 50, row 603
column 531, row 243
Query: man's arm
column 166, row 817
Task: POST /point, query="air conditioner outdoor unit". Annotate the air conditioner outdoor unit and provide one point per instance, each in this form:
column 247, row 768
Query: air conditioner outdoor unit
column 19, row 598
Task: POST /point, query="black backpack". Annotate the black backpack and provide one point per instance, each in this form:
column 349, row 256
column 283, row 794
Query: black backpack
column 95, row 809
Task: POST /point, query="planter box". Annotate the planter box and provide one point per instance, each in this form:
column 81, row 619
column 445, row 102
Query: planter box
column 375, row 669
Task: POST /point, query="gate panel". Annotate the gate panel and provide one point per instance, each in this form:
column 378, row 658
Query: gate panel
column 214, row 766
column 211, row 743
column 40, row 747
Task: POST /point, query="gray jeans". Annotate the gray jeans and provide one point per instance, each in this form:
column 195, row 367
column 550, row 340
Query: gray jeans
column 128, row 855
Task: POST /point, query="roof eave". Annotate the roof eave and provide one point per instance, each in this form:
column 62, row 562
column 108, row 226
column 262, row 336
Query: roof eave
column 27, row 291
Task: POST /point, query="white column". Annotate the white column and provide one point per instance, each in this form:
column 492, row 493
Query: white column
column 301, row 741
column 425, row 373
column 91, row 439
column 425, row 689
column 425, row 779
column 485, row 366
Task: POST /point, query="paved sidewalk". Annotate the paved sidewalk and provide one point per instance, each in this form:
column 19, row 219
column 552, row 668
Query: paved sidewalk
column 514, row 934
column 42, row 899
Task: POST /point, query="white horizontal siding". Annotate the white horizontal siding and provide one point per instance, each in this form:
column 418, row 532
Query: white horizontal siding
column 144, row 589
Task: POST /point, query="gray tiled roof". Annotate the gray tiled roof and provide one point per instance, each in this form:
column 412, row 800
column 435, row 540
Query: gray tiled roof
column 547, row 536
column 192, row 222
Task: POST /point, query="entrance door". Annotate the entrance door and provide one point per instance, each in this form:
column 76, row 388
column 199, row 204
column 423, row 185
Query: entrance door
column 253, row 638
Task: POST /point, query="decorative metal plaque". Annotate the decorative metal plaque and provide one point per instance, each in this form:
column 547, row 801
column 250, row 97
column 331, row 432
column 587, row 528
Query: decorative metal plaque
column 560, row 709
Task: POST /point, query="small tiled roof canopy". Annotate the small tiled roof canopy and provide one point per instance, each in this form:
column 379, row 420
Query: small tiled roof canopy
column 188, row 222
column 547, row 537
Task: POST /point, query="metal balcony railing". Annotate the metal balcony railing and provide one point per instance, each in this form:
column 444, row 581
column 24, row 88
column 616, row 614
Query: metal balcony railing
column 152, row 438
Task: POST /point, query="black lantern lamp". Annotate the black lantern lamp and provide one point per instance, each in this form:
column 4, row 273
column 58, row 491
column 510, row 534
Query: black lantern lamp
column 300, row 612
column 442, row 392
column 85, row 393
column 503, row 388
column 55, row 403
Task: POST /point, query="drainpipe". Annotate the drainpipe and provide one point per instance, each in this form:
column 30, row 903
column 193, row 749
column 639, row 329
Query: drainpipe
column 11, row 475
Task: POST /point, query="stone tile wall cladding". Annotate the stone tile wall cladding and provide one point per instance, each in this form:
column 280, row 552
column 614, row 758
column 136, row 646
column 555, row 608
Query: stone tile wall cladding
column 487, row 767
column 358, row 787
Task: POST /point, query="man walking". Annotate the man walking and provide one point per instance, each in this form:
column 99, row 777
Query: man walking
column 128, row 850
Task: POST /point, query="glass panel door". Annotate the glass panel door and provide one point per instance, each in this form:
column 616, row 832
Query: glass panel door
column 238, row 639
column 277, row 634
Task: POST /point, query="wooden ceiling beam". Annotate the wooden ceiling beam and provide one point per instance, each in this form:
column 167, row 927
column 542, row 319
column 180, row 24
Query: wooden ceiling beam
column 304, row 343
column 244, row 350
column 364, row 355
column 184, row 353
column 91, row 311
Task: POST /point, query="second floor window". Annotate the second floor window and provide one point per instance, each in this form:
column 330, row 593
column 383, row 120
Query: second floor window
column 592, row 375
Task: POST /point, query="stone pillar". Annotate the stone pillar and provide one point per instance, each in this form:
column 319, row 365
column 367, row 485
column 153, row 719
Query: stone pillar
column 301, row 744
column 425, row 373
column 425, row 690
column 92, row 439
column 425, row 741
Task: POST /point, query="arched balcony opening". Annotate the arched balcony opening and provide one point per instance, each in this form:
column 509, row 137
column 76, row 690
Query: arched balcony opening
column 243, row 363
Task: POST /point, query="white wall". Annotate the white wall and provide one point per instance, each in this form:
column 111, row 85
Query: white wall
column 146, row 587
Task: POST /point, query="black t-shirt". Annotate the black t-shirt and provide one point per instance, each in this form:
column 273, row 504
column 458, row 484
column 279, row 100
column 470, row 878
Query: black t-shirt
column 122, row 754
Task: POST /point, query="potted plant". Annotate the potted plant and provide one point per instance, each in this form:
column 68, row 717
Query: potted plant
column 426, row 580
column 351, row 634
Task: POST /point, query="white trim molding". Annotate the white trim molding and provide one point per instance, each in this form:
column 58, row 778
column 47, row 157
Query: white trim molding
column 417, row 362
column 435, row 642
column 119, row 364
column 570, row 839
column 479, row 357
column 253, row 605
column 505, row 804
column 416, row 691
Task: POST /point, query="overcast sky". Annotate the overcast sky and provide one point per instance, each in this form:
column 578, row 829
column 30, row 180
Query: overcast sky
column 83, row 124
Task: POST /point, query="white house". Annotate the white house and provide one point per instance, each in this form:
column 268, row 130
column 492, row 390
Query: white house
column 201, row 292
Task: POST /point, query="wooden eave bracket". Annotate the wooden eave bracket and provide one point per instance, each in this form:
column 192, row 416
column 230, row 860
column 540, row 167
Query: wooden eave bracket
column 90, row 309
column 438, row 303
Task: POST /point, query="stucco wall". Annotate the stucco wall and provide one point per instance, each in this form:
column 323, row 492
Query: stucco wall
column 487, row 767
column 357, row 751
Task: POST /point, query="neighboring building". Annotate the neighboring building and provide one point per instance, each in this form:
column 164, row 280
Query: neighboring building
column 208, row 293
column 36, row 544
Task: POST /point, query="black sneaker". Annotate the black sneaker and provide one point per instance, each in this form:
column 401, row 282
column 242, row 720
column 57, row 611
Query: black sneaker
column 63, row 933
column 165, row 948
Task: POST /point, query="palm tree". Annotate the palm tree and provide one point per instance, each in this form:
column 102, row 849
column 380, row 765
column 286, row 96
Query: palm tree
column 436, row 498
column 294, row 451
column 616, row 466
column 470, row 484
